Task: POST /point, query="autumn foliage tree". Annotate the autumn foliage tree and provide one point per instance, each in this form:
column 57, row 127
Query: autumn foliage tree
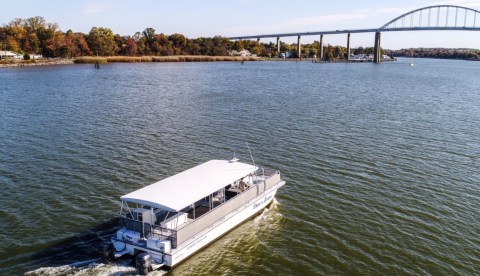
column 129, row 48
column 101, row 41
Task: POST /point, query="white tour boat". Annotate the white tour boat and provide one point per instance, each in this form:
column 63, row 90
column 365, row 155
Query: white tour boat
column 166, row 222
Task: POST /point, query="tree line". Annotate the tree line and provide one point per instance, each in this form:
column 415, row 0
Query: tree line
column 36, row 36
column 446, row 53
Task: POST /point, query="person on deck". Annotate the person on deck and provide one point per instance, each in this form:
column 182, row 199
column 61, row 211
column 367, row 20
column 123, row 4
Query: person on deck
column 243, row 185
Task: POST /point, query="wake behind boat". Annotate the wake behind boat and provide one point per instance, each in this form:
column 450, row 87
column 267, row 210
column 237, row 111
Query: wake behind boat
column 168, row 221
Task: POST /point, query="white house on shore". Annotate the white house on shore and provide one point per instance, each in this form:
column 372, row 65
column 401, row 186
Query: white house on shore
column 242, row 53
column 10, row 55
column 35, row 56
column 13, row 55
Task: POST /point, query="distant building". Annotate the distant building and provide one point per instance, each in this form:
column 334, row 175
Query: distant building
column 242, row 53
column 10, row 55
column 361, row 57
column 34, row 56
column 386, row 57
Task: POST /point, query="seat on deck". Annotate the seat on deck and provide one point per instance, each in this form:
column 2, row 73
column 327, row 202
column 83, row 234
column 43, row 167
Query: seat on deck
column 199, row 211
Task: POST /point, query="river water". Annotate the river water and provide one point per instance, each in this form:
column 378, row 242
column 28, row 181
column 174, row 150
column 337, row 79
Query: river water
column 381, row 162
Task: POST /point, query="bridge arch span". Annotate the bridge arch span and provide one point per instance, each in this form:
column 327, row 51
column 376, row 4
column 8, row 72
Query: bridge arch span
column 439, row 17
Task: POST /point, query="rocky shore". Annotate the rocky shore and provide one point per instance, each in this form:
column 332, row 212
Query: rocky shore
column 111, row 59
column 36, row 63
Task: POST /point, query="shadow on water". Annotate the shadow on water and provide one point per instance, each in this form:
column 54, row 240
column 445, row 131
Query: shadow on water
column 81, row 248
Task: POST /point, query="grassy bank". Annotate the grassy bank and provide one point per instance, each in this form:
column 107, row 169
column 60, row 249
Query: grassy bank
column 162, row 59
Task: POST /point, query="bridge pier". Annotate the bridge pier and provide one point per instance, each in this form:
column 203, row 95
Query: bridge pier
column 376, row 49
column 278, row 45
column 320, row 51
column 299, row 49
column 348, row 46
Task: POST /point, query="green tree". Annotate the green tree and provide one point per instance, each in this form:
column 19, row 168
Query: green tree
column 193, row 47
column 149, row 34
column 149, row 40
column 358, row 51
column 101, row 41
column 141, row 46
column 179, row 43
column 339, row 52
column 285, row 47
column 238, row 45
column 163, row 46
column 329, row 56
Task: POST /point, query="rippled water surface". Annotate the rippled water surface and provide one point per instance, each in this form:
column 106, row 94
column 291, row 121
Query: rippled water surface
column 381, row 162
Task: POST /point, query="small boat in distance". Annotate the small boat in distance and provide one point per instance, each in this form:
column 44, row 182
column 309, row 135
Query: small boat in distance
column 168, row 221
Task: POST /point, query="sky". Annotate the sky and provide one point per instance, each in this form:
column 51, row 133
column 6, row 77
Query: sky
column 195, row 18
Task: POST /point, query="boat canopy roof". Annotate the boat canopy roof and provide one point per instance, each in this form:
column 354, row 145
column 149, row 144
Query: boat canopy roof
column 183, row 189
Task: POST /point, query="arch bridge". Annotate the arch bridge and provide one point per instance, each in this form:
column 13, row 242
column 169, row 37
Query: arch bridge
column 431, row 18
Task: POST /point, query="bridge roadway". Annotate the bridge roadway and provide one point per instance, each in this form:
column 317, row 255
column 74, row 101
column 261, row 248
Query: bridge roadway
column 357, row 31
column 415, row 20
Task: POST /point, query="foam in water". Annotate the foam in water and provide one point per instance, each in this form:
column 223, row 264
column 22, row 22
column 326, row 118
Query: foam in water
column 269, row 214
column 91, row 267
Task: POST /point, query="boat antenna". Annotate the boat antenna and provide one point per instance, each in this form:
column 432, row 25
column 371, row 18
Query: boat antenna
column 251, row 156
column 235, row 159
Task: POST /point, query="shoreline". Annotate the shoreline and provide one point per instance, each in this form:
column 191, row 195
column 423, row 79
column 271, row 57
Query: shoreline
column 129, row 59
column 37, row 63
column 180, row 58
column 126, row 59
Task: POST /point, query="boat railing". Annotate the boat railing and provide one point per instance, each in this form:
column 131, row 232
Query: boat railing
column 170, row 234
column 135, row 225
column 270, row 172
column 272, row 177
column 214, row 215
column 186, row 232
column 147, row 229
